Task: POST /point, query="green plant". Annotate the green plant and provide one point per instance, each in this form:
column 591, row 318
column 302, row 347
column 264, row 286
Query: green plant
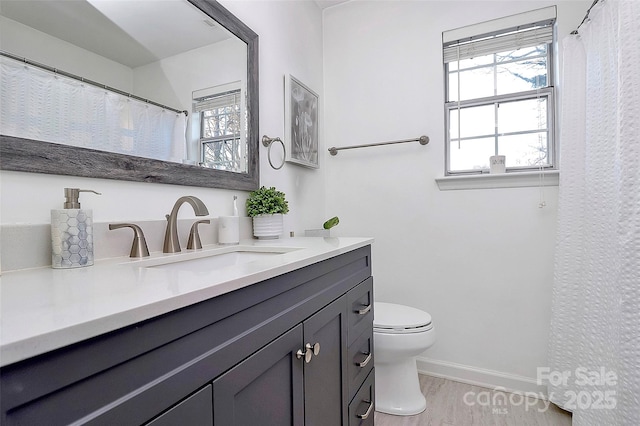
column 266, row 201
column 331, row 223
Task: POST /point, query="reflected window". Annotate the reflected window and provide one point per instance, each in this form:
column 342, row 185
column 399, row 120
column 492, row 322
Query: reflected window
column 499, row 99
column 221, row 142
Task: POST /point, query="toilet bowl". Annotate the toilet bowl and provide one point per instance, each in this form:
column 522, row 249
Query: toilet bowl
column 400, row 333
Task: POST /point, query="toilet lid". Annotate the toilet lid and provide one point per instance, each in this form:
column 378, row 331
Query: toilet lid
column 398, row 317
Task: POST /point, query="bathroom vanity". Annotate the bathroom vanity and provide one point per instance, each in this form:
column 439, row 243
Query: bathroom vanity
column 284, row 339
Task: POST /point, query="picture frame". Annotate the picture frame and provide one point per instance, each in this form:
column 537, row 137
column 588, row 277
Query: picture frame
column 301, row 123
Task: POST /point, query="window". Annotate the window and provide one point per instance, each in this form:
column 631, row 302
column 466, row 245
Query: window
column 221, row 143
column 499, row 94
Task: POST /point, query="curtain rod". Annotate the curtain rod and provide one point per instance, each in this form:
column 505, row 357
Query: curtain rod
column 586, row 17
column 84, row 80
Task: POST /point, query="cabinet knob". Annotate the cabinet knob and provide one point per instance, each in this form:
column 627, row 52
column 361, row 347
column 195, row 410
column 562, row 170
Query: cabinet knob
column 306, row 354
column 315, row 348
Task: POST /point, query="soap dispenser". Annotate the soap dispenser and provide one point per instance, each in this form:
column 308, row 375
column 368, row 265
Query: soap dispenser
column 72, row 232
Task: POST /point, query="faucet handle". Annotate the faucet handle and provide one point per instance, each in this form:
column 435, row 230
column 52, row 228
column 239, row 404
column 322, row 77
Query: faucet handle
column 139, row 247
column 194, row 236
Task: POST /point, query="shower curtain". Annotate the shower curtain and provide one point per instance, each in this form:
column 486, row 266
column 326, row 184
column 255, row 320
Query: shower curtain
column 38, row 104
column 594, row 358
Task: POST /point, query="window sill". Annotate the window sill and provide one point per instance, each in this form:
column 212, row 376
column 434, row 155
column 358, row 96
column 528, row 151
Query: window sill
column 504, row 180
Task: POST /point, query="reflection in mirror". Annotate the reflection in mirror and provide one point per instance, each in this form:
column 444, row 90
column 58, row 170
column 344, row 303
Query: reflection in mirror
column 168, row 53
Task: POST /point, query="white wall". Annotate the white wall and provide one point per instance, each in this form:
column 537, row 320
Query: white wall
column 290, row 42
column 480, row 261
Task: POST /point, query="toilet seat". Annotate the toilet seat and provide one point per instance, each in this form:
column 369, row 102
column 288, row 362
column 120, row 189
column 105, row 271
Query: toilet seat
column 399, row 319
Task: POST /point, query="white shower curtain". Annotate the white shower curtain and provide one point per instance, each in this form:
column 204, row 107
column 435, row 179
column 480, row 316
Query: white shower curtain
column 594, row 354
column 38, row 104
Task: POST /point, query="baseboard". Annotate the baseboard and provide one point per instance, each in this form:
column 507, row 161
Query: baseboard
column 481, row 377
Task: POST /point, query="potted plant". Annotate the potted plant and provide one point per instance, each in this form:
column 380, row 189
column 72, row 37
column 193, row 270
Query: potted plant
column 266, row 206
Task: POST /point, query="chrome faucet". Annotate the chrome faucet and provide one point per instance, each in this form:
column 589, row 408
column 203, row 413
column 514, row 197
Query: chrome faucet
column 171, row 241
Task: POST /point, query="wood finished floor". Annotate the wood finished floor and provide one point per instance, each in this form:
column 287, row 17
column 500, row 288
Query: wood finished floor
column 446, row 407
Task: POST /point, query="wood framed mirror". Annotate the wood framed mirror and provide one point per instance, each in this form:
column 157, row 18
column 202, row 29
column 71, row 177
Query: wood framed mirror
column 40, row 156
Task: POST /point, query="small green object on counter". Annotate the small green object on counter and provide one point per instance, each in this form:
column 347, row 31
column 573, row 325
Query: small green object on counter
column 331, row 222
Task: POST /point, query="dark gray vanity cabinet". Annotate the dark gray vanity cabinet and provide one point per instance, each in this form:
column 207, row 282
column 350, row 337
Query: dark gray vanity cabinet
column 235, row 359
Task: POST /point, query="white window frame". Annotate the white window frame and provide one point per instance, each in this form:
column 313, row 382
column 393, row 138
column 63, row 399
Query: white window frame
column 483, row 30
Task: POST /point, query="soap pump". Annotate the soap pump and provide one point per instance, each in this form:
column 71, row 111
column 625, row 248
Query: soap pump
column 72, row 232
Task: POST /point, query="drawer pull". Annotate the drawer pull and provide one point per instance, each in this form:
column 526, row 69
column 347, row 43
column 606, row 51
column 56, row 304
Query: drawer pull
column 366, row 360
column 364, row 311
column 366, row 413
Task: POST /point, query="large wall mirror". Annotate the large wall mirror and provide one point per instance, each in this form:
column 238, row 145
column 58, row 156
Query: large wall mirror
column 147, row 62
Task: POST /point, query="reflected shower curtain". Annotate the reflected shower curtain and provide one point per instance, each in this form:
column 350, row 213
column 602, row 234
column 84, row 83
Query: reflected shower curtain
column 38, row 104
column 594, row 356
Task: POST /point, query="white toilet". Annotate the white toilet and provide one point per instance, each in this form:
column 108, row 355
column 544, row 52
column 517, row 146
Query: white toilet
column 400, row 333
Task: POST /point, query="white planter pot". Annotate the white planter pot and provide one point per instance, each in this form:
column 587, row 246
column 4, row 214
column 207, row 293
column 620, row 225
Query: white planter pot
column 268, row 226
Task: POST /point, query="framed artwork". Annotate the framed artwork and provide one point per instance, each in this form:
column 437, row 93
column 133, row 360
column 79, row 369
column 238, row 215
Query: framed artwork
column 301, row 123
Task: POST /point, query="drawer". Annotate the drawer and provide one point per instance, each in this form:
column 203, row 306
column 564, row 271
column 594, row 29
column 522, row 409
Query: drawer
column 361, row 409
column 360, row 304
column 360, row 356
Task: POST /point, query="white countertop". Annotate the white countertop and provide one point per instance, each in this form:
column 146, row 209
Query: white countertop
column 44, row 309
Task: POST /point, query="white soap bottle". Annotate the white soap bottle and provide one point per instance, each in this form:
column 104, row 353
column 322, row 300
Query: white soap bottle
column 72, row 232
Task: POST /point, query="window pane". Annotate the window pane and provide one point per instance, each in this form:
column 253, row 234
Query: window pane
column 474, row 121
column 476, row 83
column 220, row 122
column 471, row 154
column 521, row 76
column 452, row 94
column 471, row 62
column 223, row 155
column 524, row 150
column 519, row 116
column 522, row 53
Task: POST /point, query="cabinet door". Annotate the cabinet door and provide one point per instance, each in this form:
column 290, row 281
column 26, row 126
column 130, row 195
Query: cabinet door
column 266, row 389
column 325, row 376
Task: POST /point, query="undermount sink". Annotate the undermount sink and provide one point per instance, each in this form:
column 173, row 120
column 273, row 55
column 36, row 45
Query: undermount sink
column 207, row 260
column 216, row 261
